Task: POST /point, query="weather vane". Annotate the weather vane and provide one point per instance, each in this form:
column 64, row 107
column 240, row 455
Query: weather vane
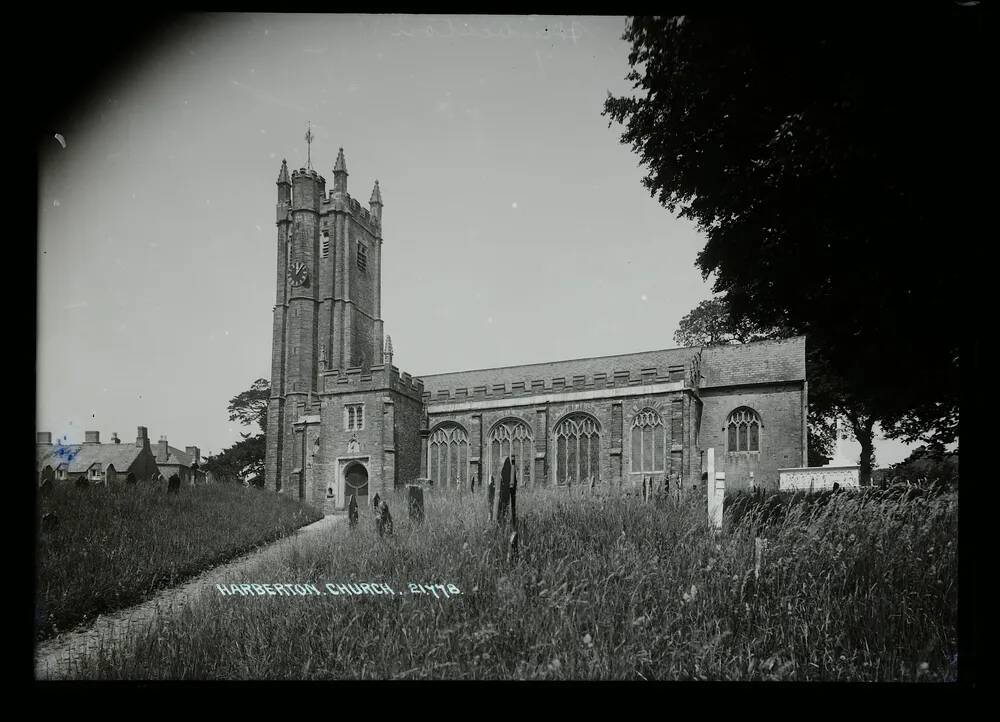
column 309, row 140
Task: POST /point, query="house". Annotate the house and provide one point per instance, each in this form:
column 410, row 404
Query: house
column 186, row 464
column 96, row 462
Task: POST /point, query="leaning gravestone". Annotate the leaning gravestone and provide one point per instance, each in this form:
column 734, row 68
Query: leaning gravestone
column 50, row 521
column 174, row 484
column 352, row 511
column 384, row 520
column 415, row 493
column 491, row 491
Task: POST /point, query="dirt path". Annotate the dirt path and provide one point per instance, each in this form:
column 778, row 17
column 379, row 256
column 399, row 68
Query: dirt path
column 57, row 658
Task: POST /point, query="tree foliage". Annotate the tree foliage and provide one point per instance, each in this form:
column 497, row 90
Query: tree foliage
column 241, row 462
column 250, row 407
column 244, row 460
column 710, row 323
column 799, row 144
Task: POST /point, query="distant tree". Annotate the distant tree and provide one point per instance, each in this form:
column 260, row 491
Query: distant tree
column 802, row 147
column 710, row 323
column 244, row 460
column 250, row 407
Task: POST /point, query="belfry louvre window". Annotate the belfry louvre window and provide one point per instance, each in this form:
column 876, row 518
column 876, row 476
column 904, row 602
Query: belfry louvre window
column 326, row 245
column 743, row 430
column 354, row 417
column 511, row 437
column 578, row 443
column 362, row 256
column 648, row 442
column 448, row 455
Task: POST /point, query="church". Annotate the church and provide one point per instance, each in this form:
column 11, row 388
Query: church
column 343, row 420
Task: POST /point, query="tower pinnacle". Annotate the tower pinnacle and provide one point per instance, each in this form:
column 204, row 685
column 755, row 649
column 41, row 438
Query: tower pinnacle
column 340, row 173
column 283, row 173
column 376, row 196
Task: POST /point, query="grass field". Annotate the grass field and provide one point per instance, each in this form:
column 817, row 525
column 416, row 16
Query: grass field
column 115, row 547
column 605, row 588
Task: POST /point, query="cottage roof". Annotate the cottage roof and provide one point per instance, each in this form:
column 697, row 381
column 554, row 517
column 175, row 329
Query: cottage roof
column 80, row 457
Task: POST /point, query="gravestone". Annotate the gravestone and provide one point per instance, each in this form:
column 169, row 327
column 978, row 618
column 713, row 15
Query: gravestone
column 46, row 487
column 512, row 550
column 81, row 482
column 474, row 479
column 384, row 520
column 352, row 511
column 760, row 547
column 513, row 497
column 50, row 522
column 174, row 484
column 375, row 501
column 415, row 494
column 491, row 491
column 508, row 475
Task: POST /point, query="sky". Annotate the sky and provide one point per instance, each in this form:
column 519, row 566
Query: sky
column 516, row 229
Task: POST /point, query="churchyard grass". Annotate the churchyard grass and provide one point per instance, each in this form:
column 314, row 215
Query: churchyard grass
column 114, row 547
column 605, row 587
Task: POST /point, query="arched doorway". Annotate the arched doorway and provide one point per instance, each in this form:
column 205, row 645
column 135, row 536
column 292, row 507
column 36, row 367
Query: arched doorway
column 356, row 482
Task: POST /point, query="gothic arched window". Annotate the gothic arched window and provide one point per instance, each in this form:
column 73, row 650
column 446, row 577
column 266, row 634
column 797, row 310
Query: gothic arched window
column 743, row 430
column 511, row 436
column 448, row 455
column 649, row 438
column 578, row 443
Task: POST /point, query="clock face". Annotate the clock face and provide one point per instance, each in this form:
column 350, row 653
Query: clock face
column 298, row 274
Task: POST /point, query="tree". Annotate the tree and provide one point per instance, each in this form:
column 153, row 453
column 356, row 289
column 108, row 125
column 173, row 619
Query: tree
column 710, row 323
column 241, row 462
column 801, row 146
column 250, row 407
column 244, row 460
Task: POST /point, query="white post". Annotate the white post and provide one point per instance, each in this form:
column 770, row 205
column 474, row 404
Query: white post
column 716, row 490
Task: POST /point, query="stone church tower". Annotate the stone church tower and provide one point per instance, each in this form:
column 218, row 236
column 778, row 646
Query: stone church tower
column 327, row 342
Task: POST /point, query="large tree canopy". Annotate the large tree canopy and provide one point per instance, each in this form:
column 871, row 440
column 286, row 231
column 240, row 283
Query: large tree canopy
column 804, row 148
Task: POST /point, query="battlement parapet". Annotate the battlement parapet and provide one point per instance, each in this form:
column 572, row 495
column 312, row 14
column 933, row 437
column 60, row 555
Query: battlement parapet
column 342, row 202
column 686, row 373
column 308, row 174
column 383, row 376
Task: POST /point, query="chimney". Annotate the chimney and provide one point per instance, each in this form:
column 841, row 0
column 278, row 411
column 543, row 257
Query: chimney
column 114, row 437
column 92, row 437
column 162, row 451
column 44, row 437
column 195, row 453
column 142, row 438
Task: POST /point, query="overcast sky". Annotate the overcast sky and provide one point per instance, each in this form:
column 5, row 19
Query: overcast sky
column 515, row 226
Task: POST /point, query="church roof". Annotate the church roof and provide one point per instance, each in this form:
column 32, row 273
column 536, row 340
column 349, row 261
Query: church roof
column 80, row 457
column 760, row 362
column 752, row 363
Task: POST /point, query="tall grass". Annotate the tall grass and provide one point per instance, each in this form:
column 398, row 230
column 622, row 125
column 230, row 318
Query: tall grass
column 605, row 587
column 116, row 546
